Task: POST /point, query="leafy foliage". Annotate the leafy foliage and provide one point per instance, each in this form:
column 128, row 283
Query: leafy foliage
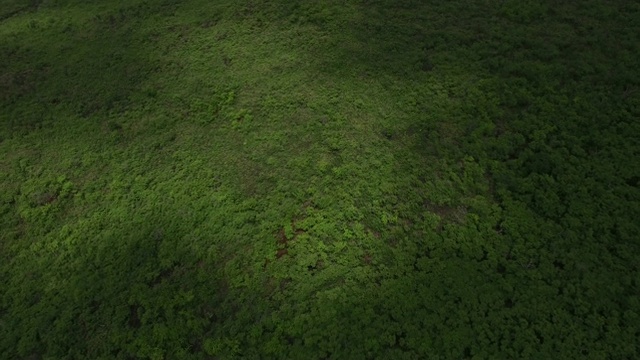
column 330, row 179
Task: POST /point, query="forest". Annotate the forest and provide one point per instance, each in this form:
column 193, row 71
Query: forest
column 329, row 179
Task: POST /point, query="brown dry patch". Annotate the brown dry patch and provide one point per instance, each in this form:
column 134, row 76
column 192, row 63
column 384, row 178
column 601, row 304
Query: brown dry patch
column 282, row 241
column 44, row 198
column 273, row 286
column 134, row 318
column 492, row 186
column 17, row 84
column 208, row 23
column 447, row 214
column 208, row 311
column 284, row 283
column 196, row 346
column 282, row 237
column 375, row 234
column 281, row 253
column 226, row 60
column 253, row 176
column 270, row 286
column 181, row 31
column 172, row 271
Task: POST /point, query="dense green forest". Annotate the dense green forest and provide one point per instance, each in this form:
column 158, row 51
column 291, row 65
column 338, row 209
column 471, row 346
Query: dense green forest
column 330, row 179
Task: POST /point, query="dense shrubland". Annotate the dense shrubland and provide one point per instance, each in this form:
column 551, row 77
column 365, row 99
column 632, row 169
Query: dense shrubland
column 331, row 179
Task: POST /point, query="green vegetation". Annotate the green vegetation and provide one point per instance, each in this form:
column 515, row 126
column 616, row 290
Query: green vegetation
column 356, row 179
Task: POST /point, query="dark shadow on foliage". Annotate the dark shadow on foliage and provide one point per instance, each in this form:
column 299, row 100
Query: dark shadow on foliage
column 76, row 60
column 140, row 291
column 541, row 122
column 144, row 292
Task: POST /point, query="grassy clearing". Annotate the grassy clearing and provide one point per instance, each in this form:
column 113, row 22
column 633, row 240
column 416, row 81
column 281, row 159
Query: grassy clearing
column 359, row 179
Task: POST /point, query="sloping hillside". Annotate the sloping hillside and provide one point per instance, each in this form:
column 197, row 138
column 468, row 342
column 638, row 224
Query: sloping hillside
column 356, row 179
